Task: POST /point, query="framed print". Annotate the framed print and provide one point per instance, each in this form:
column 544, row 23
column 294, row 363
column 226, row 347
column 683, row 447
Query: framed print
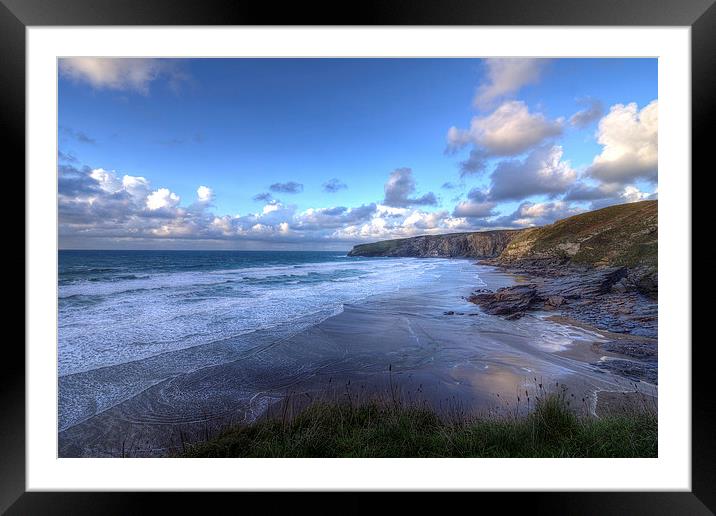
column 410, row 249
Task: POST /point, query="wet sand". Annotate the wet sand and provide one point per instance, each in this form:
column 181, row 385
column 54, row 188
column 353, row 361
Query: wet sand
column 425, row 344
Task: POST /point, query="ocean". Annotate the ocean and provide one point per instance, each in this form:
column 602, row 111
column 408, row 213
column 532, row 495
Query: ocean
column 120, row 306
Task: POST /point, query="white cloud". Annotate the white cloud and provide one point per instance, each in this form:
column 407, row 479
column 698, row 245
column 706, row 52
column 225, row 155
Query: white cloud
column 391, row 211
column 271, row 207
column 96, row 204
column 425, row 220
column 386, row 223
column 136, row 186
column 119, row 73
column 629, row 139
column 474, row 209
column 633, row 194
column 107, row 180
column 478, row 205
column 457, row 138
column 541, row 213
column 506, row 76
column 204, row 194
column 542, row 172
column 162, row 198
column 223, row 225
column 337, row 216
column 178, row 228
column 510, row 130
column 400, row 186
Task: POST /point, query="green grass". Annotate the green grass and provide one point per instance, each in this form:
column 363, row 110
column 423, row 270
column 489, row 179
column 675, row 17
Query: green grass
column 620, row 235
column 380, row 429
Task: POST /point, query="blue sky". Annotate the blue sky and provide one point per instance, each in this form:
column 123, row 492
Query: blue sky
column 548, row 138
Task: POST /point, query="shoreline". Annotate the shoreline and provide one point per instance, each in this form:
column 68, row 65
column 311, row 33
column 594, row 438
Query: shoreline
column 407, row 341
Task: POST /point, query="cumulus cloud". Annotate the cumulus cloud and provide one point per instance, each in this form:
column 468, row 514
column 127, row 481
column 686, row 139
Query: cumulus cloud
column 291, row 187
column 476, row 163
column 510, row 130
column 543, row 171
column 135, row 186
column 321, row 218
column 389, row 222
column 334, row 185
column 100, row 205
column 506, row 76
column 633, row 194
column 204, row 194
column 584, row 192
column 478, row 205
column 162, row 198
column 122, row 74
column 399, row 188
column 98, row 201
column 110, row 207
column 540, row 213
column 106, row 180
column 629, row 139
column 592, row 111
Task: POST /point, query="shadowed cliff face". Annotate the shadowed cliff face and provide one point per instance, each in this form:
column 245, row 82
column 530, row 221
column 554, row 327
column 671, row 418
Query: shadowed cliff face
column 484, row 244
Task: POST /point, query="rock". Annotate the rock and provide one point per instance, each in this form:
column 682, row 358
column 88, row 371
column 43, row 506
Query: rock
column 582, row 293
column 554, row 301
column 644, row 280
column 508, row 301
column 619, row 287
column 641, row 349
column 639, row 371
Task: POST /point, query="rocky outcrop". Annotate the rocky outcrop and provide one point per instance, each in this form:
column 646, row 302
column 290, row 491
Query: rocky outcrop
column 510, row 302
column 483, row 244
column 593, row 296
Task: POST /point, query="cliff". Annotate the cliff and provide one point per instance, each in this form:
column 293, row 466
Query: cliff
column 624, row 235
column 483, row 244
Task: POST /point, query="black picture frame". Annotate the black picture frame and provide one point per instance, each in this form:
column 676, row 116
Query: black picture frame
column 17, row 15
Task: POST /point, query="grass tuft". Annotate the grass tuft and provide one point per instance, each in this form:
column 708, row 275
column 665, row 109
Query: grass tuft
column 380, row 429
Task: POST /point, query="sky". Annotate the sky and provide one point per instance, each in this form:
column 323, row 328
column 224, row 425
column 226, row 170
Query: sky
column 322, row 154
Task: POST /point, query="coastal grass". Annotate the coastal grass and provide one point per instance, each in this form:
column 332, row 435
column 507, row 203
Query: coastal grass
column 384, row 429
